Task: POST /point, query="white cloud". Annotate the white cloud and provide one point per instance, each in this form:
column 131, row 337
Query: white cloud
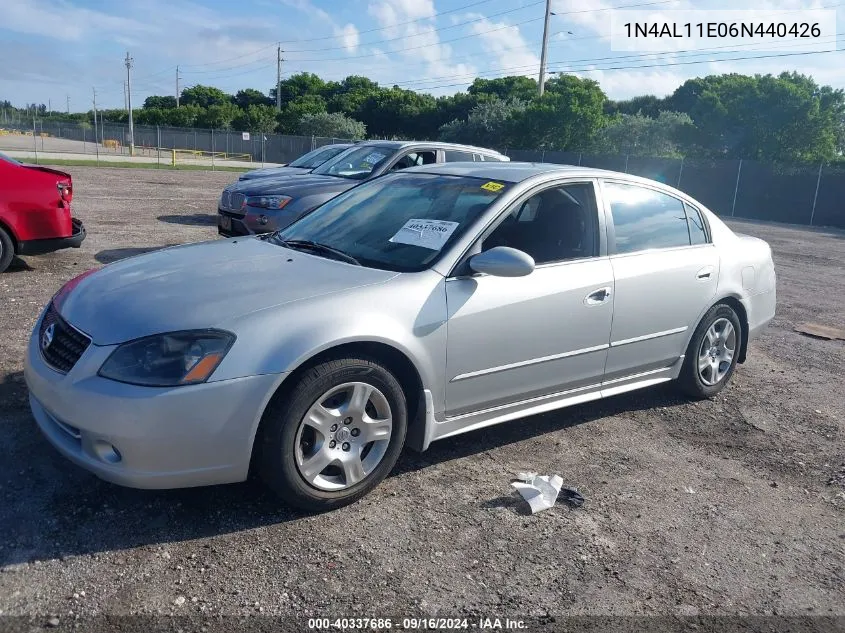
column 506, row 43
column 348, row 36
column 411, row 24
column 64, row 21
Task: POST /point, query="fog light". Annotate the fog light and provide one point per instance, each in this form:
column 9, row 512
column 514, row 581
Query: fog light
column 106, row 452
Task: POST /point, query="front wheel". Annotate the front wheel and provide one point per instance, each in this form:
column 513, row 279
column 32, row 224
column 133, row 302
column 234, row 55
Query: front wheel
column 333, row 436
column 7, row 250
column 712, row 353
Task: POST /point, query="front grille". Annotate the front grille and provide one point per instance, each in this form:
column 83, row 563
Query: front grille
column 232, row 202
column 66, row 345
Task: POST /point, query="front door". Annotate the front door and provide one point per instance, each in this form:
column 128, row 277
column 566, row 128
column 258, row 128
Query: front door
column 511, row 339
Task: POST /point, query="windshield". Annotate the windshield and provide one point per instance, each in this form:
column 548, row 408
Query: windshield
column 8, row 159
column 316, row 157
column 400, row 221
column 356, row 163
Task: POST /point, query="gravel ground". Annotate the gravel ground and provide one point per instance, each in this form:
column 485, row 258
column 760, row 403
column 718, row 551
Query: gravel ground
column 730, row 506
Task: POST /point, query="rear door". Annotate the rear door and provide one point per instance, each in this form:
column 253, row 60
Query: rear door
column 665, row 271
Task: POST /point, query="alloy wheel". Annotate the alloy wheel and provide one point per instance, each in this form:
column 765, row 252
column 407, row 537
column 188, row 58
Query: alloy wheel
column 715, row 356
column 343, row 436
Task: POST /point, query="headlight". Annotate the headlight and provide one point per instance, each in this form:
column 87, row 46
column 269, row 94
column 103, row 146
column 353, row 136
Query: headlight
column 168, row 360
column 268, row 202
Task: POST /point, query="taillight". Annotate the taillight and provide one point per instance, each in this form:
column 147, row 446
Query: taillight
column 65, row 191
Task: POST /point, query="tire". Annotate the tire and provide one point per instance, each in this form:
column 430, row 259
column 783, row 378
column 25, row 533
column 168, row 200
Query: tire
column 7, row 250
column 705, row 375
column 292, row 449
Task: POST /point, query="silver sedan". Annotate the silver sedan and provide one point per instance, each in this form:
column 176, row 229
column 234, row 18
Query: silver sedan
column 414, row 307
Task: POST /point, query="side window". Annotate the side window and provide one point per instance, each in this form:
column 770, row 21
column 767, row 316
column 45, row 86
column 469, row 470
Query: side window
column 697, row 232
column 644, row 218
column 412, row 159
column 455, row 156
column 489, row 158
column 553, row 225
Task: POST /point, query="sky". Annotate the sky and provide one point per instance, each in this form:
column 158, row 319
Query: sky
column 59, row 50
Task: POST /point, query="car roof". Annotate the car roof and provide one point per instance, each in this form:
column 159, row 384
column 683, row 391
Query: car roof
column 433, row 144
column 507, row 171
column 514, row 172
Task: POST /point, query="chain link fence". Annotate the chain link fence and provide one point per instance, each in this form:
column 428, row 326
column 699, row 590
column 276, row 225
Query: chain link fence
column 160, row 140
column 796, row 194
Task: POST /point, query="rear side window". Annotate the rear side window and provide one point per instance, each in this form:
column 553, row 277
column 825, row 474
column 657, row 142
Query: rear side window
column 697, row 232
column 456, row 156
column 645, row 219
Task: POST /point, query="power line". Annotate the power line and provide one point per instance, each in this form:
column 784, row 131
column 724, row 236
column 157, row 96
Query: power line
column 664, row 64
column 613, row 59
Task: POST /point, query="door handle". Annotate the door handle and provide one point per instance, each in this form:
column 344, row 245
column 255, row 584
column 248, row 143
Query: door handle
column 597, row 297
column 704, row 273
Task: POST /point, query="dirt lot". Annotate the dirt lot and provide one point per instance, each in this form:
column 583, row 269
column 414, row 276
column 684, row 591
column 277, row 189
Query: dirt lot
column 730, row 506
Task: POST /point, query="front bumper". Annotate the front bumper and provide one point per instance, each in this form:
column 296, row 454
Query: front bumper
column 39, row 247
column 145, row 437
column 253, row 221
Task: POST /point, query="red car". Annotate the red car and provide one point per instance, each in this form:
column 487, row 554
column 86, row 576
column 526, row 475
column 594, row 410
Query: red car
column 35, row 215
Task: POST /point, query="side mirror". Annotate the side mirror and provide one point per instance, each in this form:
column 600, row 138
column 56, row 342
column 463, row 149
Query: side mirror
column 502, row 261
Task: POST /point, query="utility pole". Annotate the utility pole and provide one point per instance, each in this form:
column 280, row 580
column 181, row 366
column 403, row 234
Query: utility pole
column 96, row 140
column 177, row 86
column 542, row 80
column 68, row 104
column 128, row 62
column 124, row 95
column 279, row 78
column 49, row 105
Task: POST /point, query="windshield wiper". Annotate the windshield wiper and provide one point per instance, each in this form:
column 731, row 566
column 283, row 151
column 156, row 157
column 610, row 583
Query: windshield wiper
column 321, row 248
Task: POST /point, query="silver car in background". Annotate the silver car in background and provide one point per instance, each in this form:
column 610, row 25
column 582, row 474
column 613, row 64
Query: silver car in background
column 302, row 165
column 414, row 307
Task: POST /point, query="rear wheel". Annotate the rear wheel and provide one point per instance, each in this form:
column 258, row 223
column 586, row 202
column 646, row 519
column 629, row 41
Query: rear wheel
column 7, row 249
column 712, row 353
column 335, row 435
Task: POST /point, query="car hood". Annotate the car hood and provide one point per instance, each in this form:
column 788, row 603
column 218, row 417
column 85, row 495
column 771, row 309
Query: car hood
column 274, row 172
column 294, row 187
column 201, row 285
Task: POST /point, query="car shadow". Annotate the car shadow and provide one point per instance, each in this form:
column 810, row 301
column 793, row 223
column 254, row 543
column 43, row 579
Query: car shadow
column 110, row 255
column 51, row 509
column 192, row 219
column 18, row 265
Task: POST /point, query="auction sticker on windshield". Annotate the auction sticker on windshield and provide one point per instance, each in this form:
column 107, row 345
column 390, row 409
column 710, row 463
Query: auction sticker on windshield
column 431, row 234
column 373, row 158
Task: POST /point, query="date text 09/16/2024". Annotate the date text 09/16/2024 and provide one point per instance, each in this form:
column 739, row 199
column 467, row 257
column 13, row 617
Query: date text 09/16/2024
column 416, row 624
column 721, row 29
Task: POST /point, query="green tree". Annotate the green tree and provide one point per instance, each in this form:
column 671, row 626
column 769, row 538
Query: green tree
column 288, row 119
column 350, row 94
column 115, row 115
column 203, row 96
column 788, row 117
column 505, row 88
column 335, row 124
column 396, row 112
column 184, row 115
column 299, row 85
column 639, row 135
column 567, row 116
column 649, row 105
column 161, row 102
column 257, row 118
column 151, row 116
column 489, row 124
column 250, row 96
column 219, row 116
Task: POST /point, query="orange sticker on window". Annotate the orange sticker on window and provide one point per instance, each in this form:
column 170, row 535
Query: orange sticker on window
column 493, row 186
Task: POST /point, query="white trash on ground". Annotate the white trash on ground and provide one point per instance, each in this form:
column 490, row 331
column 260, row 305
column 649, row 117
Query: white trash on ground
column 540, row 491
